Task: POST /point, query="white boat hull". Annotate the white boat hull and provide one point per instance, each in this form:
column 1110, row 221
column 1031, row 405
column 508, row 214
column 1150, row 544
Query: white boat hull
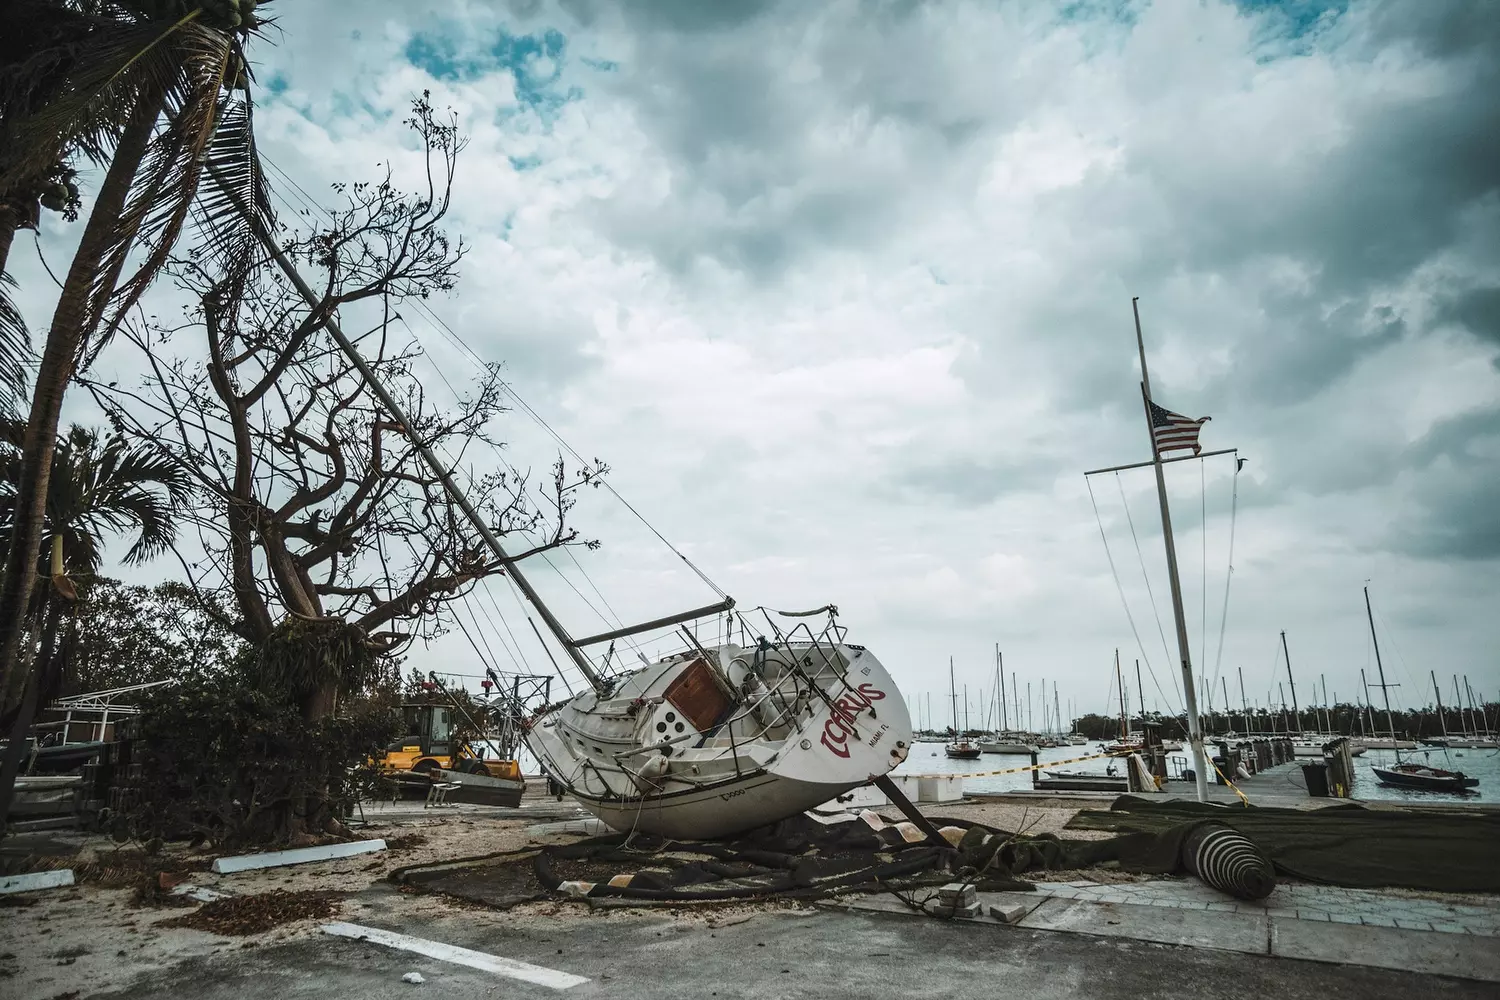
column 692, row 749
column 1385, row 743
column 1015, row 748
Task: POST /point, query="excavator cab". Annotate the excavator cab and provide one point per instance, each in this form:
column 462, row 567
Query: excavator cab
column 428, row 741
column 429, row 745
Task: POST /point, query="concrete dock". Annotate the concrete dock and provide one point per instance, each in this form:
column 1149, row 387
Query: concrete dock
column 1080, row 934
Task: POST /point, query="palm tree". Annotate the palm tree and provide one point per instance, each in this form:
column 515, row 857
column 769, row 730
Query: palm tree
column 105, row 93
column 98, row 488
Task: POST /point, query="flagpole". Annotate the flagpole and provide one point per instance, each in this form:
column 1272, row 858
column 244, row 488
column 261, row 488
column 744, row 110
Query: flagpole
column 1189, row 689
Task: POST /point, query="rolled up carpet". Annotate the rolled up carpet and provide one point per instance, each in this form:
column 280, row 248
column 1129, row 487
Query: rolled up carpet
column 1229, row 861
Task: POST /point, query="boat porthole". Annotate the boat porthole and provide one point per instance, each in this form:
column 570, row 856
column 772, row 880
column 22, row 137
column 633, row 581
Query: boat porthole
column 679, row 727
column 671, row 716
column 807, row 744
column 661, row 727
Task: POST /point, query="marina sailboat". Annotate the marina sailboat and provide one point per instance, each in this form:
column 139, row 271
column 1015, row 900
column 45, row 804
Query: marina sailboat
column 1409, row 774
column 1005, row 741
column 708, row 740
column 961, row 747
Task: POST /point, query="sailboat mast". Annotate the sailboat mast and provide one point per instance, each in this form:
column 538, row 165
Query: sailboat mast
column 1369, row 706
column 1120, row 682
column 1000, row 672
column 1056, row 710
column 1291, row 680
column 953, row 693
column 1458, row 699
column 1384, row 689
column 1327, row 712
column 398, row 412
column 1439, row 696
column 1244, row 702
column 1476, row 708
column 1224, row 686
column 1140, row 689
column 1195, row 727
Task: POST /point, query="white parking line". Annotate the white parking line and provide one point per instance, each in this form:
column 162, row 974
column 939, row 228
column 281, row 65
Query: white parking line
column 458, row 956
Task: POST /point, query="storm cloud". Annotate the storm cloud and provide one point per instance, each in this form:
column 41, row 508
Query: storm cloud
column 843, row 292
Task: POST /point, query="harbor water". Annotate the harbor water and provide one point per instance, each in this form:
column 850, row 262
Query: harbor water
column 928, row 758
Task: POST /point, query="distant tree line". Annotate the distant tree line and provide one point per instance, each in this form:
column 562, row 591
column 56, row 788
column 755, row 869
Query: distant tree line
column 1344, row 719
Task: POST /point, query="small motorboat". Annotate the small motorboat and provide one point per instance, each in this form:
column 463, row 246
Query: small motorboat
column 1425, row 778
column 962, row 750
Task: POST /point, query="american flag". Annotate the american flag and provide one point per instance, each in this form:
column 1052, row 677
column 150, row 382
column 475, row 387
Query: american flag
column 1172, row 431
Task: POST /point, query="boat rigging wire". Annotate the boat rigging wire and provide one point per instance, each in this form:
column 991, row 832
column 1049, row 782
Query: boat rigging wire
column 1234, row 506
column 445, row 330
column 1119, row 484
column 1120, row 589
column 1203, row 612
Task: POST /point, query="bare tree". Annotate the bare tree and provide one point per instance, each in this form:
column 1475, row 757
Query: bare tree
column 318, row 507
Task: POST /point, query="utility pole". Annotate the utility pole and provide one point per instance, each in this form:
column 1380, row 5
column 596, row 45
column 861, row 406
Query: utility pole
column 1291, row 680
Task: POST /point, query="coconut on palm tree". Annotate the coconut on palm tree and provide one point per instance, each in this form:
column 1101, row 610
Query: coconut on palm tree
column 155, row 89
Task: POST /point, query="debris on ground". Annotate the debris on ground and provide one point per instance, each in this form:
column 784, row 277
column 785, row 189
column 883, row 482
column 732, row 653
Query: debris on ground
column 242, row 915
column 405, row 842
column 413, row 977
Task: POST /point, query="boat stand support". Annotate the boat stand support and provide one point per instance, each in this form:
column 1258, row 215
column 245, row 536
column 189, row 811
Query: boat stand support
column 896, row 795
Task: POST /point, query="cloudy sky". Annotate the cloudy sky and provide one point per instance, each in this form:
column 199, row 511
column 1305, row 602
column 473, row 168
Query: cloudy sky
column 842, row 291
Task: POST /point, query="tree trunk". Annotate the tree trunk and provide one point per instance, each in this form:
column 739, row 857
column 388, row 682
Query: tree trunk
column 54, row 373
column 7, row 235
column 31, row 697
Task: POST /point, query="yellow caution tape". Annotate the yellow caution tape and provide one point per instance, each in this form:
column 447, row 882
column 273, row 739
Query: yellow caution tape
column 1028, row 767
column 1243, row 798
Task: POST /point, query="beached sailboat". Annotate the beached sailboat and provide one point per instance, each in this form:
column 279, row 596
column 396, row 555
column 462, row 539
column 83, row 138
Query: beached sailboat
column 717, row 740
column 706, row 741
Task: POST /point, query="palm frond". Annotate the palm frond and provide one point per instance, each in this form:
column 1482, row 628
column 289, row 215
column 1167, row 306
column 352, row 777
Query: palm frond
column 113, row 487
column 167, row 182
column 235, row 203
column 15, row 351
column 105, row 74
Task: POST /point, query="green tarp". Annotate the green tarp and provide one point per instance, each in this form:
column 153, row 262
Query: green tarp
column 1443, row 850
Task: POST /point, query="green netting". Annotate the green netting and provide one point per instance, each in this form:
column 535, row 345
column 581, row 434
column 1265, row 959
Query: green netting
column 1444, row 850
